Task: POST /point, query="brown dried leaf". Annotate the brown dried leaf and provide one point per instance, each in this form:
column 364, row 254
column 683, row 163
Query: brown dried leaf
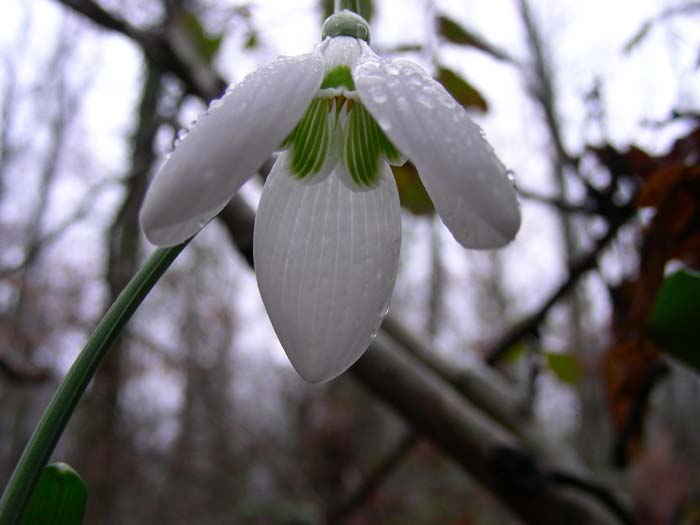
column 659, row 184
column 412, row 193
column 462, row 91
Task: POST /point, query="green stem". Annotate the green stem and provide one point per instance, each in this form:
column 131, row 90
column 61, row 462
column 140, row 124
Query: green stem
column 352, row 5
column 47, row 433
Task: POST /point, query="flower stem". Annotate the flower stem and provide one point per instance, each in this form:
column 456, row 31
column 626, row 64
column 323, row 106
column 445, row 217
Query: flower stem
column 352, row 5
column 47, row 433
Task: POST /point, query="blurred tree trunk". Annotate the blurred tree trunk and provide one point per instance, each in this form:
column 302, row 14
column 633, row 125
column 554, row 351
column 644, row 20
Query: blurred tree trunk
column 200, row 472
column 101, row 451
column 542, row 85
column 24, row 315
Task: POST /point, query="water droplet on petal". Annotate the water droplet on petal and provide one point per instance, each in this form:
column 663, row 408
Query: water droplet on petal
column 393, row 69
column 424, row 101
column 379, row 96
column 215, row 104
column 384, row 310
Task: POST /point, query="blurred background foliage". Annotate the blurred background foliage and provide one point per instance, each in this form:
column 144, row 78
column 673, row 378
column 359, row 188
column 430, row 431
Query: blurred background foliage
column 578, row 346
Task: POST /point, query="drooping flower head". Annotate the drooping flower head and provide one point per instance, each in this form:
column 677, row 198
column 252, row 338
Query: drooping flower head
column 328, row 226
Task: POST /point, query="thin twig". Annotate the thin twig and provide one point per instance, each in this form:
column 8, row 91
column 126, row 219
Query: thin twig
column 596, row 490
column 587, row 207
column 156, row 48
column 667, row 13
column 530, row 325
column 635, row 416
column 43, row 242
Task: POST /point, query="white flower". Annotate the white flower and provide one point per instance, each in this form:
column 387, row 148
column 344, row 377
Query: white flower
column 328, row 227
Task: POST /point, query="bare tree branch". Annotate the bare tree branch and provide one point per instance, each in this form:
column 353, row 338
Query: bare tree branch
column 157, row 49
column 467, row 436
column 588, row 207
column 21, row 372
column 81, row 211
column 635, row 416
column 669, row 12
column 530, row 325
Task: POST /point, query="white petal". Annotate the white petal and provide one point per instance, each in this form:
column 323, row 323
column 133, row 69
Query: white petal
column 326, row 259
column 468, row 184
column 227, row 146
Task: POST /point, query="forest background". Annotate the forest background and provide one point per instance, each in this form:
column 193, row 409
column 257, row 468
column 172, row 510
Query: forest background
column 552, row 381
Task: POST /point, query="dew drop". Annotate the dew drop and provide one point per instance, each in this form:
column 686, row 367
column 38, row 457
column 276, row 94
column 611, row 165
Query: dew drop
column 393, row 69
column 385, row 124
column 215, row 104
column 379, row 97
column 384, row 310
column 448, row 102
column 426, row 102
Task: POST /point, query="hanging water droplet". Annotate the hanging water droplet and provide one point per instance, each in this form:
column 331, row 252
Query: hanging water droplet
column 215, row 104
column 384, row 310
column 181, row 135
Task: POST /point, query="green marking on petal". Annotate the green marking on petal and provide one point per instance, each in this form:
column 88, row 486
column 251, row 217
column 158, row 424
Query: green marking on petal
column 339, row 76
column 366, row 147
column 309, row 140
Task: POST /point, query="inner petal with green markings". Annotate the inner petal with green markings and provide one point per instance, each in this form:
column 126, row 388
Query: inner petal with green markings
column 337, row 131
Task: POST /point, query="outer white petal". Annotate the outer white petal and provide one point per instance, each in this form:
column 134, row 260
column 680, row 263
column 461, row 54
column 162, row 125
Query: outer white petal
column 326, row 259
column 227, row 146
column 468, row 184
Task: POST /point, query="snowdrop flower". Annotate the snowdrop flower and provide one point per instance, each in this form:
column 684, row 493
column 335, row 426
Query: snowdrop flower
column 328, row 227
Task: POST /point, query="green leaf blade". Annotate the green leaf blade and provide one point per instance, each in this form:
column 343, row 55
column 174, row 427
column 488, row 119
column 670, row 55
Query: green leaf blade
column 674, row 323
column 565, row 367
column 58, row 499
column 462, row 91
